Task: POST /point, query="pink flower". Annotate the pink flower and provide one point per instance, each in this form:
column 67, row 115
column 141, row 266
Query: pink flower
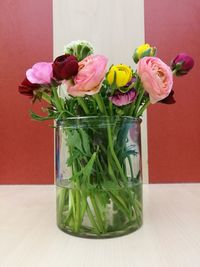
column 40, row 73
column 156, row 77
column 122, row 99
column 92, row 70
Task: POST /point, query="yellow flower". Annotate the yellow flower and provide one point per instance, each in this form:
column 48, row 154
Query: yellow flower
column 143, row 51
column 119, row 74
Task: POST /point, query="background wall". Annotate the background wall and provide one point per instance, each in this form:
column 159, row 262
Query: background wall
column 26, row 147
column 33, row 31
column 174, row 131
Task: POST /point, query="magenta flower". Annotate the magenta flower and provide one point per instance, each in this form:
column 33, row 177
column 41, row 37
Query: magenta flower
column 182, row 64
column 40, row 73
column 122, row 99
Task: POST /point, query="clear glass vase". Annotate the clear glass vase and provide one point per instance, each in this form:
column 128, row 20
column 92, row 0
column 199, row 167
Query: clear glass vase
column 98, row 176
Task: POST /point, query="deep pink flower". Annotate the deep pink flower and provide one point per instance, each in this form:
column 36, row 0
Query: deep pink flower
column 92, row 70
column 182, row 64
column 40, row 73
column 27, row 88
column 156, row 77
column 122, row 99
column 65, row 66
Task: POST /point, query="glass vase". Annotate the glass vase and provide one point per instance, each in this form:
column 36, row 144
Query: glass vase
column 98, row 176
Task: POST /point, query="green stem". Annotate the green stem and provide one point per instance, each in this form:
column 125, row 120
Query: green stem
column 131, row 86
column 110, row 143
column 138, row 101
column 83, row 105
column 131, row 109
column 111, row 108
column 56, row 99
column 71, row 197
column 92, row 220
column 61, row 203
column 131, row 168
column 77, row 215
column 146, row 104
column 119, row 205
column 46, row 97
column 100, row 103
column 97, row 213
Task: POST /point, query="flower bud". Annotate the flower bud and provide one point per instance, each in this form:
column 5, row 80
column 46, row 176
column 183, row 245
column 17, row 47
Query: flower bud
column 80, row 49
column 64, row 67
column 119, row 75
column 182, row 64
column 144, row 50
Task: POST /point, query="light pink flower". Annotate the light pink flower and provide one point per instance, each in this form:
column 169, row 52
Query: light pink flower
column 40, row 73
column 92, row 70
column 156, row 77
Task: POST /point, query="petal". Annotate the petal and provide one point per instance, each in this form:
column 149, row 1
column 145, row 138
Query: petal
column 40, row 73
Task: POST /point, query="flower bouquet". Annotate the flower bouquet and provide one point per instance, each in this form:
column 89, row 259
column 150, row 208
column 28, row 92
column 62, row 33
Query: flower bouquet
column 97, row 113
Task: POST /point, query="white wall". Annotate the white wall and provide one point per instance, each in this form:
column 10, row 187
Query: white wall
column 114, row 27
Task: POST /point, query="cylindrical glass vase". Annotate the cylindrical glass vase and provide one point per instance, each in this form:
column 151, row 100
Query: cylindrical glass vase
column 98, row 176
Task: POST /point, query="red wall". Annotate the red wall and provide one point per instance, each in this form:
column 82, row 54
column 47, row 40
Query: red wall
column 174, row 131
column 26, row 147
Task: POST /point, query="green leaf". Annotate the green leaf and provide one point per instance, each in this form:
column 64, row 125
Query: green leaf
column 85, row 141
column 110, row 185
column 88, row 168
column 86, row 171
column 41, row 118
column 74, row 140
column 73, row 157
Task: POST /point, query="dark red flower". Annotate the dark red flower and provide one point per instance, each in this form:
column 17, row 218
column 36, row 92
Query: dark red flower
column 65, row 66
column 27, row 88
column 182, row 64
column 169, row 99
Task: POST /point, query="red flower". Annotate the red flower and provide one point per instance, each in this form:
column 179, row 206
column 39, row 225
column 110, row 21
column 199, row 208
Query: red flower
column 169, row 99
column 27, row 88
column 65, row 66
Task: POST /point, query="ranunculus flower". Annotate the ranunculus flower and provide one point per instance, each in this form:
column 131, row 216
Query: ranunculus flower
column 119, row 74
column 64, row 67
column 91, row 72
column 122, row 99
column 81, row 49
column 40, row 73
column 182, row 64
column 143, row 51
column 27, row 88
column 156, row 77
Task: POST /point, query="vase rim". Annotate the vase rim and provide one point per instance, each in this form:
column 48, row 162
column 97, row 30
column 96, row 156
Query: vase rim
column 97, row 118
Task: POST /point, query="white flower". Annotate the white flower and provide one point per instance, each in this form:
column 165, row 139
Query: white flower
column 68, row 49
column 62, row 89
